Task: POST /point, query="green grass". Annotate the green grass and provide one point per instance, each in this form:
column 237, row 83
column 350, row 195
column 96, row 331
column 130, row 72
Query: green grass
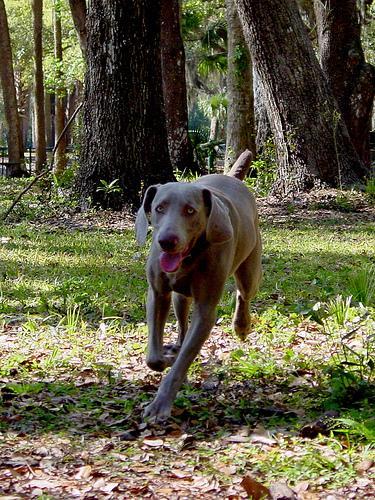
column 73, row 336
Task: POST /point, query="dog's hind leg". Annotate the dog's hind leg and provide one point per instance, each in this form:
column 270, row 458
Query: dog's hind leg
column 248, row 277
column 181, row 306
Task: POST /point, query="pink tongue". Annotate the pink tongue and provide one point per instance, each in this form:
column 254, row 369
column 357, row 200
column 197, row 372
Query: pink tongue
column 170, row 262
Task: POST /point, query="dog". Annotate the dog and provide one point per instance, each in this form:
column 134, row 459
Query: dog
column 203, row 232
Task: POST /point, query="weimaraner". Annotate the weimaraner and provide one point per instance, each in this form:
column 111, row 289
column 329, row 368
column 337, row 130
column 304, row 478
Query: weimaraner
column 204, row 232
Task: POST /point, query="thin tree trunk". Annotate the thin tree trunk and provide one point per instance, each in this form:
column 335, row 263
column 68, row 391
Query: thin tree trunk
column 312, row 142
column 15, row 152
column 240, row 111
column 351, row 79
column 40, row 124
column 60, row 157
column 174, row 88
column 125, row 135
column 48, row 120
column 78, row 9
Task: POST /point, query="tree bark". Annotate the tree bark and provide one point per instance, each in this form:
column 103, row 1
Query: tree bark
column 174, row 88
column 40, row 124
column 15, row 167
column 240, row 111
column 351, row 79
column 48, row 109
column 262, row 123
column 79, row 13
column 60, row 157
column 312, row 142
column 125, row 135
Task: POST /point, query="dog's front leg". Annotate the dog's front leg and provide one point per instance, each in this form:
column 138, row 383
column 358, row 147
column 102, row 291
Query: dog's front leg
column 203, row 320
column 158, row 305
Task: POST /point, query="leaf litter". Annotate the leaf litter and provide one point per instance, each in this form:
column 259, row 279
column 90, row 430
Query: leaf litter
column 76, row 431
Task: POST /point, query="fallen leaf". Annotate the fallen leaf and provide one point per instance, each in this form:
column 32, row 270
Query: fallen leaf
column 42, row 484
column 109, row 487
column 364, row 466
column 281, row 491
column 254, row 489
column 84, row 472
column 154, row 443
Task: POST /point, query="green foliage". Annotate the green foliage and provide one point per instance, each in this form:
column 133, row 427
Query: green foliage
column 241, row 60
column 356, row 429
column 370, row 187
column 362, row 285
column 212, row 63
column 265, row 168
column 215, row 105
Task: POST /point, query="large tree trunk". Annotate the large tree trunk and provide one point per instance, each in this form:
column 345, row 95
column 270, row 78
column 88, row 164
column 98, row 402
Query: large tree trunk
column 125, row 134
column 174, row 88
column 312, row 142
column 60, row 156
column 262, row 123
column 351, row 79
column 40, row 124
column 78, row 9
column 240, row 111
column 15, row 152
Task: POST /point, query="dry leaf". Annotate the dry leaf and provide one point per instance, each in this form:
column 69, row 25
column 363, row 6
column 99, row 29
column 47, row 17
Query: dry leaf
column 255, row 490
column 84, row 472
column 154, row 443
column 364, row 466
column 43, row 484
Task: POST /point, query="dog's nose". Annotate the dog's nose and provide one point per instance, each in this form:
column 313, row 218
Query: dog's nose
column 168, row 242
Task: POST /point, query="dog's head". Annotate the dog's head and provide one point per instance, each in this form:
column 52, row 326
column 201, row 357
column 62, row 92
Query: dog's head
column 180, row 213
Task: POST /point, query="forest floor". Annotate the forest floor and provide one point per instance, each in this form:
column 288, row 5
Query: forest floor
column 289, row 413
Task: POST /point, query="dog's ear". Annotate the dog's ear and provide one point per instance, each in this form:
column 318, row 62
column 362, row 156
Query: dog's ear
column 141, row 222
column 219, row 226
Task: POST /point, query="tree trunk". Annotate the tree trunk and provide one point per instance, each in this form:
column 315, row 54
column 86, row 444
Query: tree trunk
column 240, row 111
column 351, row 79
column 48, row 119
column 312, row 142
column 125, row 134
column 174, row 88
column 262, row 123
column 15, row 153
column 40, row 124
column 79, row 13
column 60, row 156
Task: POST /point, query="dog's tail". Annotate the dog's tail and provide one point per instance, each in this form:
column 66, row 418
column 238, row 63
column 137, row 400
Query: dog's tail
column 242, row 165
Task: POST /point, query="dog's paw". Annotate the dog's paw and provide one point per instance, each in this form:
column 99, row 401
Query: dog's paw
column 157, row 364
column 158, row 411
column 243, row 327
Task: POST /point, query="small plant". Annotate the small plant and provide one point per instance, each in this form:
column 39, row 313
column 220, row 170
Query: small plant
column 339, row 308
column 109, row 188
column 370, row 187
column 362, row 285
column 265, row 168
column 357, row 429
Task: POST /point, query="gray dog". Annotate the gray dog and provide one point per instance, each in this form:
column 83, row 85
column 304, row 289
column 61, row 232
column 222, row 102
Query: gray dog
column 204, row 232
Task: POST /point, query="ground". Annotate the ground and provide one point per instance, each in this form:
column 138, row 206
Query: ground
column 253, row 415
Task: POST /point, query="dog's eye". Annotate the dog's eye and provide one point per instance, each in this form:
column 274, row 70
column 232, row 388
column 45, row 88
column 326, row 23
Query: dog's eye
column 190, row 210
column 159, row 209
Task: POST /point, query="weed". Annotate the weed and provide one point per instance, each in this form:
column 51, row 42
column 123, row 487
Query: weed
column 362, row 285
column 370, row 187
column 356, row 429
column 339, row 308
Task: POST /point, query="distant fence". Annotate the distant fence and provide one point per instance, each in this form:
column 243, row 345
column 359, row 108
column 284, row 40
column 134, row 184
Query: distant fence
column 29, row 159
